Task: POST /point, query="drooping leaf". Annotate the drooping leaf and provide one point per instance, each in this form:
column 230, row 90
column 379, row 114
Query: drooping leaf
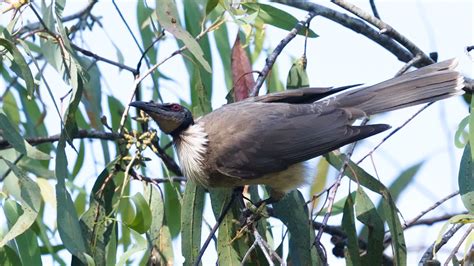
column 200, row 99
column 466, row 179
column 9, row 133
column 389, row 209
column 193, row 202
column 95, row 222
column 68, row 221
column 297, row 76
column 18, row 60
column 227, row 249
column 139, row 245
column 242, row 76
column 168, row 17
column 367, row 214
column 348, row 224
column 8, row 256
column 25, row 242
column 293, row 212
column 27, row 192
column 319, row 181
column 211, row 4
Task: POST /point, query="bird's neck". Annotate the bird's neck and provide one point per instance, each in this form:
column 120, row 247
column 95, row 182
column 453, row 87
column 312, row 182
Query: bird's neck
column 191, row 145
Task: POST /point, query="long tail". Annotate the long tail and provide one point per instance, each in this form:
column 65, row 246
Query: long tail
column 427, row 84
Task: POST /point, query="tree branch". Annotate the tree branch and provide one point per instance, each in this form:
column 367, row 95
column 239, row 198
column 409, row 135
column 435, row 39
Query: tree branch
column 433, row 248
column 356, row 25
column 386, row 29
column 81, row 134
column 100, row 58
column 79, row 15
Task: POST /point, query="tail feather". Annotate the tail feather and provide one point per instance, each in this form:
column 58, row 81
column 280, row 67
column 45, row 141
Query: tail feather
column 427, row 84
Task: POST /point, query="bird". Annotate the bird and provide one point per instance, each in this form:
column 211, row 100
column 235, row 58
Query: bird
column 267, row 139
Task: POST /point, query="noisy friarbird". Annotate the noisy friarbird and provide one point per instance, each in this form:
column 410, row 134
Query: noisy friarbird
column 267, row 139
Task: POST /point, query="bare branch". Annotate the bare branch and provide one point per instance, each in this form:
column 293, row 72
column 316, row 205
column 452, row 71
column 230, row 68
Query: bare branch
column 458, row 245
column 434, row 206
column 428, row 255
column 374, row 9
column 356, row 25
column 100, row 58
column 394, row 131
column 81, row 134
column 332, row 194
column 386, row 29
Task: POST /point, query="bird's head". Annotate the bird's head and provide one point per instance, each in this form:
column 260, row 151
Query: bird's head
column 172, row 118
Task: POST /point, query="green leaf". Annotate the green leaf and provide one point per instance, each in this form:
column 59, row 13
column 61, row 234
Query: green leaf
column 211, row 4
column 319, row 181
column 191, row 221
column 227, row 250
column 276, row 17
column 466, row 179
column 19, row 144
column 297, row 77
column 11, row 108
column 24, row 71
column 348, row 224
column 95, row 222
column 28, row 194
column 338, row 206
column 169, row 19
column 68, row 221
column 390, row 212
column 26, row 242
column 154, row 198
column 141, row 221
column 367, row 214
column 200, row 99
column 140, row 245
column 8, row 257
column 293, row 212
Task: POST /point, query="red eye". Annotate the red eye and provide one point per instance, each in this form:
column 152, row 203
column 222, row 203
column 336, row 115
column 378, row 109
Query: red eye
column 175, row 107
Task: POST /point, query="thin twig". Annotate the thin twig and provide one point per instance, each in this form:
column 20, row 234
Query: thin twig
column 157, row 181
column 103, row 59
column 428, row 255
column 458, row 245
column 374, row 9
column 214, row 229
column 249, row 251
column 385, row 28
column 7, row 172
column 434, row 206
column 167, row 160
column 394, row 131
column 79, row 15
column 81, row 134
column 356, row 25
column 332, row 193
column 409, row 64
column 278, row 49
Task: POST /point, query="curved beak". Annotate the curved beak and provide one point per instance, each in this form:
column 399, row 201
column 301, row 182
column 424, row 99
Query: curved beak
column 148, row 107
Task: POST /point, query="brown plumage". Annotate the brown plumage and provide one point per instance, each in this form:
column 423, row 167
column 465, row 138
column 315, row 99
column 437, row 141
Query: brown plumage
column 266, row 139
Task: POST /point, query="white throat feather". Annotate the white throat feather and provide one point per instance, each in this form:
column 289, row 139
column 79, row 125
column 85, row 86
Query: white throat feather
column 192, row 146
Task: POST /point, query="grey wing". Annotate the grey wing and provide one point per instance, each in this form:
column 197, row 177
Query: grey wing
column 289, row 134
